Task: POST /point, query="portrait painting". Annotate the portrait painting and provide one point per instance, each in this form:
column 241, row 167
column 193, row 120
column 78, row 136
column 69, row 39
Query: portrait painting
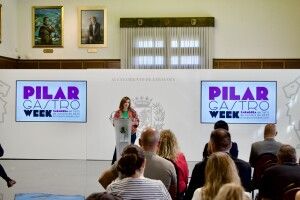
column 0, row 23
column 47, row 26
column 92, row 27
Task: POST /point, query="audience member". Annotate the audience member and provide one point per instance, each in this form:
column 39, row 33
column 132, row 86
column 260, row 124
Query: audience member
column 232, row 191
column 234, row 152
column 168, row 149
column 297, row 197
column 156, row 167
column 103, row 196
column 134, row 185
column 268, row 145
column 219, row 170
column 220, row 140
column 275, row 179
column 10, row 182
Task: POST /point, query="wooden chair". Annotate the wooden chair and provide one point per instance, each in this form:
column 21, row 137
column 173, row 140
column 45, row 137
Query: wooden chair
column 263, row 162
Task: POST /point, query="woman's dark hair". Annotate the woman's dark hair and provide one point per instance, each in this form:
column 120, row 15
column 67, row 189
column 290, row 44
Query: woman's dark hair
column 132, row 159
column 123, row 100
column 102, row 196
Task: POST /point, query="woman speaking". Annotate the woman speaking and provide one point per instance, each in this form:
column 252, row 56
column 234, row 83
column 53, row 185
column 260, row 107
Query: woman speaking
column 126, row 112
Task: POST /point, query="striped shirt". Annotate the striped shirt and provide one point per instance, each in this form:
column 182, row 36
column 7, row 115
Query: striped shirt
column 139, row 188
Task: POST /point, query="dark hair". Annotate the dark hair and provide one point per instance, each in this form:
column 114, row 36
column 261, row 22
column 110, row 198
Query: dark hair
column 44, row 19
column 221, row 139
column 132, row 159
column 221, row 124
column 286, row 153
column 102, row 196
column 123, row 100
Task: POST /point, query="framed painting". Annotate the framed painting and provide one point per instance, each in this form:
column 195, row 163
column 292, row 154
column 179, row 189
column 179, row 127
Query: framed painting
column 0, row 23
column 47, row 26
column 92, row 27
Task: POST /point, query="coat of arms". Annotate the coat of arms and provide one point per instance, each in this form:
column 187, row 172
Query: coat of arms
column 150, row 114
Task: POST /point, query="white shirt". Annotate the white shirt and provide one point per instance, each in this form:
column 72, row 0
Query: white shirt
column 139, row 188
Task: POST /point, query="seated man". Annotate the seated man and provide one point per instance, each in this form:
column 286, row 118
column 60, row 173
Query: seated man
column 275, row 179
column 234, row 151
column 220, row 141
column 156, row 167
column 268, row 145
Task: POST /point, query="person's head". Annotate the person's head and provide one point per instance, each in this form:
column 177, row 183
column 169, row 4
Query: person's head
column 132, row 161
column 297, row 197
column 125, row 103
column 93, row 20
column 46, row 20
column 221, row 124
column 286, row 153
column 231, row 191
column 167, row 145
column 270, row 131
column 220, row 140
column 149, row 139
column 220, row 169
column 102, row 196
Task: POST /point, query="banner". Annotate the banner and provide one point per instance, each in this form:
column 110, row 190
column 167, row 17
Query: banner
column 247, row 102
column 55, row 101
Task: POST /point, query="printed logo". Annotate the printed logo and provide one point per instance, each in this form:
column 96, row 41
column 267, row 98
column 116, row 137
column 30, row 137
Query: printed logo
column 150, row 114
column 292, row 93
column 4, row 89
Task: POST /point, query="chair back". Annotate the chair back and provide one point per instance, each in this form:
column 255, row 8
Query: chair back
column 291, row 193
column 263, row 162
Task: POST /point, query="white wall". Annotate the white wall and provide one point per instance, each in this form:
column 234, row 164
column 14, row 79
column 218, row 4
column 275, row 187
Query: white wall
column 243, row 28
column 178, row 98
column 9, row 30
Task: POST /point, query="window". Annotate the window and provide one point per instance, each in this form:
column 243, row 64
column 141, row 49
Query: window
column 166, row 47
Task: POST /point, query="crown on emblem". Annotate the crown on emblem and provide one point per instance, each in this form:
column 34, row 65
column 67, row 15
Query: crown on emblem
column 142, row 101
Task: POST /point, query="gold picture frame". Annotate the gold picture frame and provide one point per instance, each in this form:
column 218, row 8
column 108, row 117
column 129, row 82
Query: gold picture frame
column 0, row 23
column 92, row 27
column 47, row 26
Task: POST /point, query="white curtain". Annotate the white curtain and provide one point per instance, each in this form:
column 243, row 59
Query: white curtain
column 167, row 48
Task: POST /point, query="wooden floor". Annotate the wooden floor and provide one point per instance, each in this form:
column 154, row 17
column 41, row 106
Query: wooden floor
column 66, row 177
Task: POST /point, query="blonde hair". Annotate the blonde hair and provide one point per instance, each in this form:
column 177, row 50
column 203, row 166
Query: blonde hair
column 220, row 169
column 231, row 191
column 168, row 146
column 297, row 196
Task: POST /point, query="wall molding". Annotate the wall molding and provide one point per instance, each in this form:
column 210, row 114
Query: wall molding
column 11, row 63
column 167, row 22
column 256, row 63
column 218, row 63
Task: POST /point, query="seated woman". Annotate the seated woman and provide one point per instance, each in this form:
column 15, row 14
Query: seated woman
column 102, row 196
column 232, row 191
column 297, row 197
column 220, row 169
column 135, row 186
column 168, row 149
